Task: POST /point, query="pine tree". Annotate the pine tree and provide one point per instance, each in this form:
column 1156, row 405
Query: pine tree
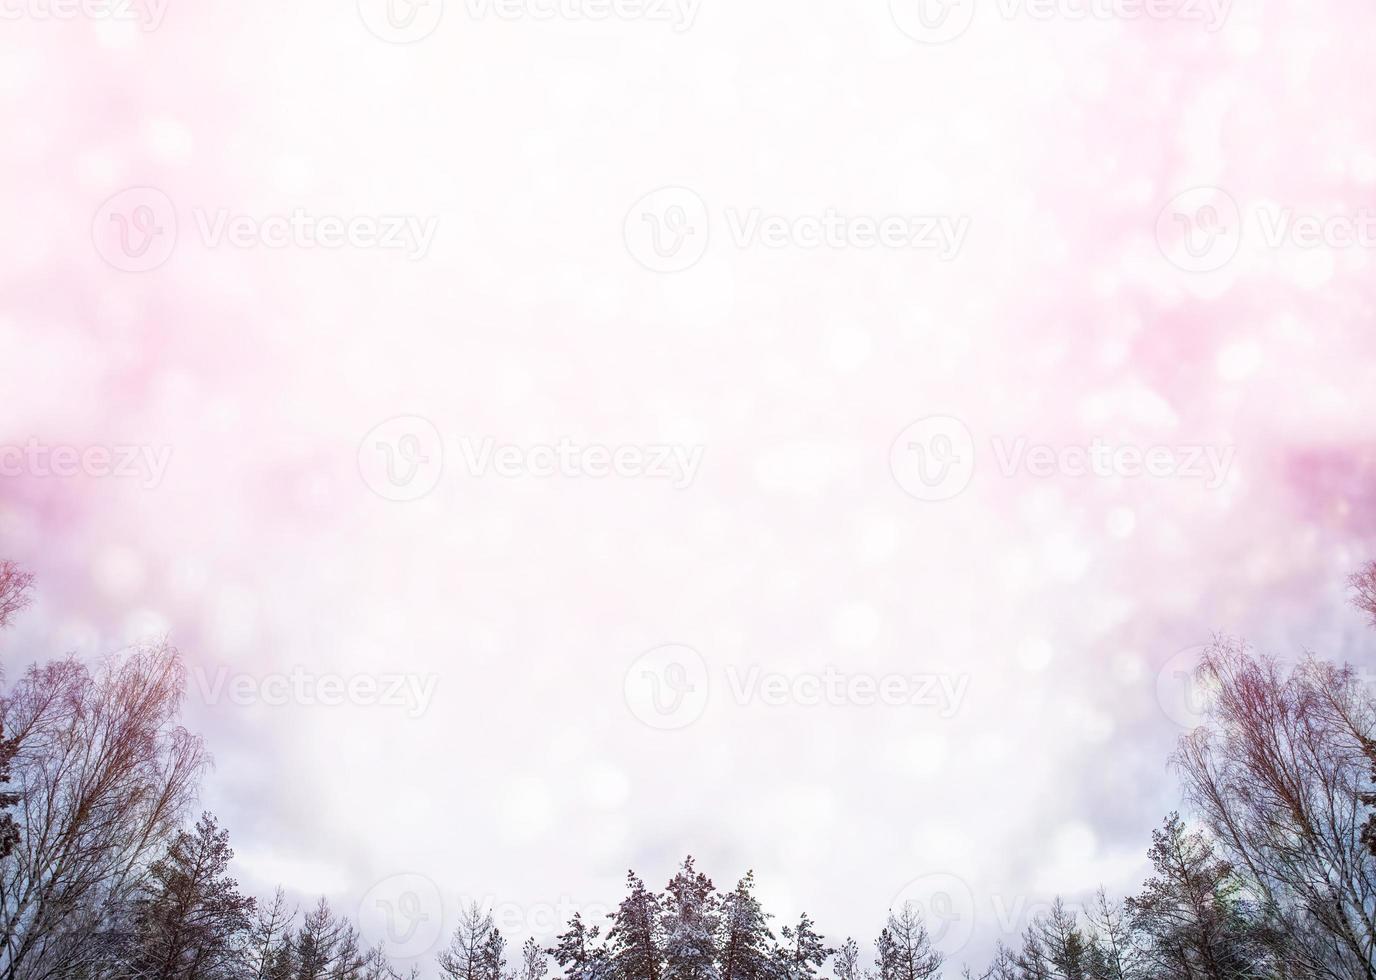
column 885, row 956
column 492, row 956
column 689, row 919
column 376, row 966
column 1112, row 954
column 635, row 936
column 269, row 946
column 847, row 965
column 746, row 943
column 1060, row 944
column 469, row 954
column 579, row 954
column 802, row 952
column 534, row 961
column 317, row 943
column 1191, row 919
column 190, row 922
column 908, row 948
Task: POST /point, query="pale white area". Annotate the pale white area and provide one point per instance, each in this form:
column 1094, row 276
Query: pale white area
column 508, row 766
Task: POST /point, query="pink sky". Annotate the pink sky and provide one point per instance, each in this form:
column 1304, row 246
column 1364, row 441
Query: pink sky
column 245, row 384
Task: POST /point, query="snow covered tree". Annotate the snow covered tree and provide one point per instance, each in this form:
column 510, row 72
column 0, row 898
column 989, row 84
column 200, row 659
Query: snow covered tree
column 579, row 953
column 534, row 961
column 745, row 946
column 315, row 943
column 1190, row 919
column 470, row 951
column 492, row 956
column 847, row 965
column 1055, row 947
column 906, row 950
column 190, row 922
column 885, row 957
column 689, row 919
column 1112, row 951
column 635, row 936
column 269, row 949
column 802, row 951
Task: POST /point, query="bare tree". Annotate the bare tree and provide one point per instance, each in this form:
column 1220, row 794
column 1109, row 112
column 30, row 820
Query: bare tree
column 14, row 596
column 14, row 590
column 1278, row 776
column 269, row 946
column 909, row 947
column 105, row 776
column 1363, row 583
column 469, row 954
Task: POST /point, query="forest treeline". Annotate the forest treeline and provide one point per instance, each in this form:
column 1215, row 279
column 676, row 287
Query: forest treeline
column 105, row 875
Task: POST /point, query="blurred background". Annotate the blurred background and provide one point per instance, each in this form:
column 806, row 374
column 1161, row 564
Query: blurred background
column 334, row 282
